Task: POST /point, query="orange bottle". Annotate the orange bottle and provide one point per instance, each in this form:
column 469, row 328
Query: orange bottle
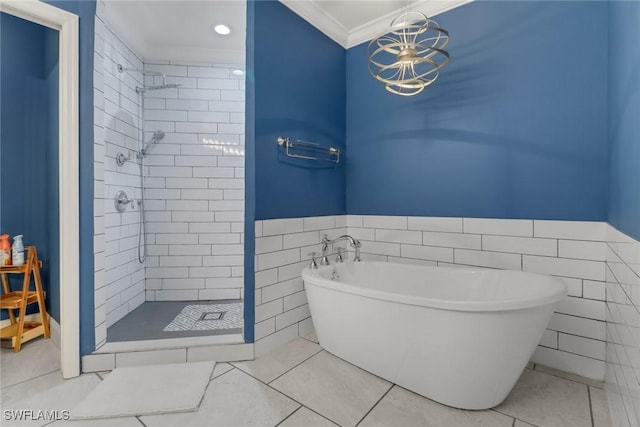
column 5, row 250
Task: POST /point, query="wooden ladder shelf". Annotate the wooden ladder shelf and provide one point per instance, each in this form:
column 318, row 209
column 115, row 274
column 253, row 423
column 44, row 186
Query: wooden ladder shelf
column 20, row 331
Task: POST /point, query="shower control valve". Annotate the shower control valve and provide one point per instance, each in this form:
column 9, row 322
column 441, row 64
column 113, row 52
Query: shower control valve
column 121, row 201
column 121, row 158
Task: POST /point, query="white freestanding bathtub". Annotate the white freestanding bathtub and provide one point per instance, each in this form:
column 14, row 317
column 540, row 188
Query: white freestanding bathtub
column 457, row 336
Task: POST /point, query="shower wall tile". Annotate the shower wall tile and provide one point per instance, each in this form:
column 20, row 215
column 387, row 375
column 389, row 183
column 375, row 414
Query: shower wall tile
column 576, row 337
column 452, row 240
column 522, row 245
column 599, row 264
column 196, row 175
column 595, row 251
column 622, row 381
column 573, row 251
column 116, row 122
column 571, row 230
column 582, row 269
column 451, row 225
column 282, row 247
column 488, row 259
column 501, row 227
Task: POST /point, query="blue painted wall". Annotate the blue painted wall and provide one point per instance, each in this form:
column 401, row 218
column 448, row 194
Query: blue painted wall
column 299, row 93
column 515, row 127
column 29, row 146
column 624, row 112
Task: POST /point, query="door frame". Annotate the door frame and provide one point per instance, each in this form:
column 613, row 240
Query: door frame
column 67, row 24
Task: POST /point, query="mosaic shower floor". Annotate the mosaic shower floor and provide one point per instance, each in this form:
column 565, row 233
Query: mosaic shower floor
column 201, row 317
column 178, row 319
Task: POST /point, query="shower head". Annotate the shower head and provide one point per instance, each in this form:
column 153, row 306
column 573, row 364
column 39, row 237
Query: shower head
column 155, row 138
column 158, row 87
column 143, row 89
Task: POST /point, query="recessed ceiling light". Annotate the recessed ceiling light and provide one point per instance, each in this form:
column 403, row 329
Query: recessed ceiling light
column 237, row 73
column 222, row 29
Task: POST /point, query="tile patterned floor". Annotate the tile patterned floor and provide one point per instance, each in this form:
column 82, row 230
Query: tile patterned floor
column 301, row 385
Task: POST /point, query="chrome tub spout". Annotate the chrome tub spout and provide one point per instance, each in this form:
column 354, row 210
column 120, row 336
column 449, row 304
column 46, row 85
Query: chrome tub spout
column 354, row 243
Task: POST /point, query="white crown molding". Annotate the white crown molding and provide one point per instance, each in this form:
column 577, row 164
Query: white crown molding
column 381, row 25
column 316, row 16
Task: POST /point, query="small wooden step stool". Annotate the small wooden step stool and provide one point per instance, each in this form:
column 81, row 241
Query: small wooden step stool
column 20, row 331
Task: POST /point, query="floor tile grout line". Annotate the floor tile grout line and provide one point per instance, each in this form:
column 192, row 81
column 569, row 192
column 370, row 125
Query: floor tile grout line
column 282, row 393
column 29, row 379
column 288, row 416
column 137, row 417
column 219, row 375
column 286, row 395
column 376, row 404
column 222, row 374
column 511, row 416
column 590, row 405
column 305, row 338
column 502, row 413
column 284, row 373
column 300, row 403
column 265, row 384
column 293, row 367
column 320, row 415
column 206, row 387
column 565, row 378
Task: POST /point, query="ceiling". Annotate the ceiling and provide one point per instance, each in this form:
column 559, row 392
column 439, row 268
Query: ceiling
column 183, row 29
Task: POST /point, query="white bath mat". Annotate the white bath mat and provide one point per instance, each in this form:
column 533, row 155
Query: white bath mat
column 147, row 390
column 207, row 317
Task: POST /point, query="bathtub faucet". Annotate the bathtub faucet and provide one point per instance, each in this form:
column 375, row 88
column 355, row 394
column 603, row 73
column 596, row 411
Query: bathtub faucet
column 356, row 244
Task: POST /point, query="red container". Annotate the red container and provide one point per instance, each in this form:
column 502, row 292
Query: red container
column 5, row 250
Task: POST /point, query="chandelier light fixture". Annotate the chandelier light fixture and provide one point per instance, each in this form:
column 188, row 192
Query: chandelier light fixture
column 409, row 57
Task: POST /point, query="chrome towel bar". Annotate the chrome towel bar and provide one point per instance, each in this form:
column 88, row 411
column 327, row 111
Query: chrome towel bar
column 308, row 150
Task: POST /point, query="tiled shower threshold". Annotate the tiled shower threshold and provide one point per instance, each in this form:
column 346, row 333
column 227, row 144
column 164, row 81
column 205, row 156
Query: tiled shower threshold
column 221, row 348
column 169, row 343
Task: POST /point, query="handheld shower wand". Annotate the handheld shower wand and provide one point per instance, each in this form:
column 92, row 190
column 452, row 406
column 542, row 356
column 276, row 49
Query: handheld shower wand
column 155, row 138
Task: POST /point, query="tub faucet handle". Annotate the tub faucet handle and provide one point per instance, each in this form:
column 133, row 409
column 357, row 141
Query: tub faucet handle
column 339, row 257
column 314, row 263
column 325, row 250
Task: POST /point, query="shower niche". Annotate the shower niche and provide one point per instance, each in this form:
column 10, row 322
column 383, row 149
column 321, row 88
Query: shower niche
column 169, row 146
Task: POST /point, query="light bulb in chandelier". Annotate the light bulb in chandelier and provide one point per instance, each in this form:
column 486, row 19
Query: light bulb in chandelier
column 409, row 57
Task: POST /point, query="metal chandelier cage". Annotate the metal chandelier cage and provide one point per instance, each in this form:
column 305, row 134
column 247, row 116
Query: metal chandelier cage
column 409, row 57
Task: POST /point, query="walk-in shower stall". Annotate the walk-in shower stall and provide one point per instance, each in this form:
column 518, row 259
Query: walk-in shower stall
column 169, row 194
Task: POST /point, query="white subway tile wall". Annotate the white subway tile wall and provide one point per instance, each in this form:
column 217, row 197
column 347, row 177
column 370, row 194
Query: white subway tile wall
column 623, row 327
column 194, row 181
column 119, row 277
column 195, row 184
column 575, row 339
column 282, row 251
